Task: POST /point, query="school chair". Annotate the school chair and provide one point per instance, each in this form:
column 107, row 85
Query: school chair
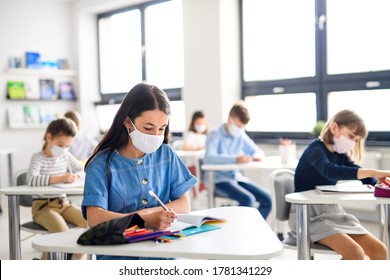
column 26, row 201
column 282, row 182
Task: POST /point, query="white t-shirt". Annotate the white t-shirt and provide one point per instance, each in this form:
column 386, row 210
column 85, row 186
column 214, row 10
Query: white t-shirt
column 195, row 139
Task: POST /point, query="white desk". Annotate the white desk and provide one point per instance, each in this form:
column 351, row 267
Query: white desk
column 271, row 163
column 244, row 236
column 303, row 199
column 9, row 153
column 14, row 211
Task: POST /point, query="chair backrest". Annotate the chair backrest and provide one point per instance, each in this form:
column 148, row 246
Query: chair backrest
column 177, row 145
column 21, row 179
column 283, row 183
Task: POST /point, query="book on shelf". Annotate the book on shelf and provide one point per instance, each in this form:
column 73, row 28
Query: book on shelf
column 32, row 89
column 48, row 114
column 16, row 90
column 15, row 117
column 33, row 60
column 66, row 91
column 32, row 114
column 47, row 89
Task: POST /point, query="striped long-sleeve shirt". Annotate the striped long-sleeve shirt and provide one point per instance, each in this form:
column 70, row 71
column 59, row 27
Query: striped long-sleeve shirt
column 43, row 167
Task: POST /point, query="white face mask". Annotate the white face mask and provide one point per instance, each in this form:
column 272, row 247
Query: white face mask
column 234, row 130
column 144, row 142
column 343, row 145
column 57, row 151
column 200, row 128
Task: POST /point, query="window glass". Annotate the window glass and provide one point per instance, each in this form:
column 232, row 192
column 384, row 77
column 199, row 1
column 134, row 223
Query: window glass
column 164, row 44
column 177, row 121
column 357, row 36
column 120, row 52
column 366, row 103
column 105, row 115
column 282, row 112
column 278, row 39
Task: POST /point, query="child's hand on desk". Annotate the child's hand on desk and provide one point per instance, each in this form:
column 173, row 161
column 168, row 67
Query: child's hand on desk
column 387, row 181
column 257, row 159
column 160, row 220
column 383, row 176
column 244, row 159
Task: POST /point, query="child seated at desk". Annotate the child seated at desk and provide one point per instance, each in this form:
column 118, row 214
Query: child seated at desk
column 55, row 165
column 133, row 158
column 325, row 161
column 229, row 144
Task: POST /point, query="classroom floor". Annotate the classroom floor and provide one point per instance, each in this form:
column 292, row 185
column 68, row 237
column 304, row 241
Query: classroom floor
column 28, row 253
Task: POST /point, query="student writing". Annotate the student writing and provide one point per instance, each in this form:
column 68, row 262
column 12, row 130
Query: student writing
column 134, row 158
column 50, row 166
column 332, row 157
column 230, row 144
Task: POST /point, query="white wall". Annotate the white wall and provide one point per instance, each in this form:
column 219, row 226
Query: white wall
column 41, row 25
column 211, row 59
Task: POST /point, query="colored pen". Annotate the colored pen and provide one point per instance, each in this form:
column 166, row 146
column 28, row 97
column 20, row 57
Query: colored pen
column 158, row 200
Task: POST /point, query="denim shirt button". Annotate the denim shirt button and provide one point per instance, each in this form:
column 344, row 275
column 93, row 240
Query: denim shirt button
column 144, row 201
column 139, row 162
column 144, row 181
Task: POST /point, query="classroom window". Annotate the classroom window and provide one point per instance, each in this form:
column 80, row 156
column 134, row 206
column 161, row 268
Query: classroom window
column 120, row 60
column 376, row 119
column 276, row 112
column 141, row 43
column 335, row 50
column 278, row 51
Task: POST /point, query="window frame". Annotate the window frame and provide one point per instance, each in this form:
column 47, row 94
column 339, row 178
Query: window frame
column 321, row 84
column 174, row 94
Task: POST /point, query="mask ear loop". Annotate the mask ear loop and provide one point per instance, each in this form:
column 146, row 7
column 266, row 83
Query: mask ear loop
column 132, row 125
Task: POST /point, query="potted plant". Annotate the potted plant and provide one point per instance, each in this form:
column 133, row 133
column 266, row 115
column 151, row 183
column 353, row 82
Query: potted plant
column 318, row 128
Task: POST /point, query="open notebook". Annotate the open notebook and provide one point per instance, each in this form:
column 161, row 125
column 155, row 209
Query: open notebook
column 76, row 184
column 345, row 189
column 185, row 221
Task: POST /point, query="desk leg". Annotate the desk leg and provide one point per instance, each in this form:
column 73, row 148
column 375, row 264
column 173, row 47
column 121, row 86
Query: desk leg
column 210, row 188
column 14, row 229
column 303, row 237
column 10, row 170
column 384, row 226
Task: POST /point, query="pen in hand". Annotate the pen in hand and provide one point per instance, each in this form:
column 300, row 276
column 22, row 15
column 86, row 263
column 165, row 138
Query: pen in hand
column 158, row 200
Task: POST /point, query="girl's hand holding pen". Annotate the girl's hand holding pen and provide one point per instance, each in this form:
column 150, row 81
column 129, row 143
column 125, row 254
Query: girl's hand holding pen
column 69, row 177
column 161, row 220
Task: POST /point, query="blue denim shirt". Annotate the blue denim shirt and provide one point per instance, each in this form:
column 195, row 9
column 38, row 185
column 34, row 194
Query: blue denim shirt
column 223, row 148
column 131, row 179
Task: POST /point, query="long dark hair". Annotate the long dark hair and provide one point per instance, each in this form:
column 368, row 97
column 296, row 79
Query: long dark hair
column 196, row 115
column 142, row 97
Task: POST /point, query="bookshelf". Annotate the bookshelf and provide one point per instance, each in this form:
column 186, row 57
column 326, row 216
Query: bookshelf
column 41, row 72
column 33, row 111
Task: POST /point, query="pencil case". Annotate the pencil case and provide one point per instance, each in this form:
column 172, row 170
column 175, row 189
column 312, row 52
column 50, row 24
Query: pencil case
column 382, row 190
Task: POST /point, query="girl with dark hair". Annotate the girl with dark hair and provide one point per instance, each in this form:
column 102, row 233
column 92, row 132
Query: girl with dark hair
column 195, row 139
column 133, row 158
